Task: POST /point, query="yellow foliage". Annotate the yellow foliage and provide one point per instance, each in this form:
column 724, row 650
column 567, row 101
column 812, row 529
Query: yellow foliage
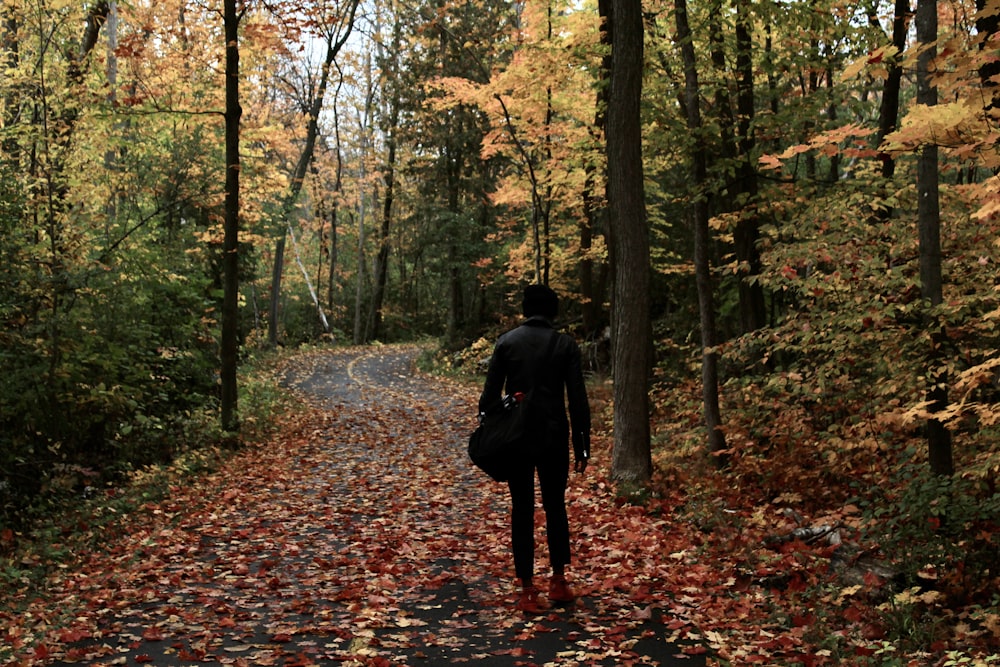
column 457, row 91
column 873, row 63
column 951, row 124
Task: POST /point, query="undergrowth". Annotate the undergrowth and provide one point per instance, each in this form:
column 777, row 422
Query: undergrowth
column 913, row 574
column 82, row 518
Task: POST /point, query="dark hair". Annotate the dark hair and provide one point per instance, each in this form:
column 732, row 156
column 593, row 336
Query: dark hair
column 540, row 300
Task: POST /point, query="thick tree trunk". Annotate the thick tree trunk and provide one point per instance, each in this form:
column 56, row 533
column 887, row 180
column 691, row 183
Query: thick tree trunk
column 65, row 121
column 229, row 343
column 702, row 238
column 929, row 223
column 629, row 235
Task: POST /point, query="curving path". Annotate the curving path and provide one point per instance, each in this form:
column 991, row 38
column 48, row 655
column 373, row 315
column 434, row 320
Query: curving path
column 362, row 537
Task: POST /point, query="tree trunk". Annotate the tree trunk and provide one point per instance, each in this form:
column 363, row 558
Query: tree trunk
column 274, row 311
column 229, row 343
column 331, row 276
column 391, row 64
column 723, row 100
column 338, row 182
column 987, row 26
column 320, row 215
column 889, row 109
column 12, row 57
column 456, row 301
column 629, row 236
column 772, row 84
column 702, row 238
column 382, row 259
column 358, row 336
column 831, row 111
column 929, row 224
column 335, row 40
column 591, row 287
column 753, row 310
column 589, row 297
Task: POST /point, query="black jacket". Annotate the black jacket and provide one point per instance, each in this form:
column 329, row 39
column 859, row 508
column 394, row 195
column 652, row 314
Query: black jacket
column 516, row 366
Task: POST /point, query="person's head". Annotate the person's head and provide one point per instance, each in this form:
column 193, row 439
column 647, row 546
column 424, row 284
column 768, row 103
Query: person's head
column 540, row 300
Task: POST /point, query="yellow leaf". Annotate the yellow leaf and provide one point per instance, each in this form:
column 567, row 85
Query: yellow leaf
column 853, row 69
column 929, row 597
column 848, row 592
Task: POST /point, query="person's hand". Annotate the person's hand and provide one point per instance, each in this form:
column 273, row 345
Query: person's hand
column 581, row 465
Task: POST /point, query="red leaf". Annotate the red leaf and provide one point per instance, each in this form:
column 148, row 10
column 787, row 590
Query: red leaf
column 872, row 580
column 803, row 621
column 69, row 636
column 872, row 631
column 853, row 614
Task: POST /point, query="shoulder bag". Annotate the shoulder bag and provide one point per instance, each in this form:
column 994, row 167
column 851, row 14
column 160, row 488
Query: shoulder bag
column 498, row 441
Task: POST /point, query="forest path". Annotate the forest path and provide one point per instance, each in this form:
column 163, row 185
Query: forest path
column 363, row 536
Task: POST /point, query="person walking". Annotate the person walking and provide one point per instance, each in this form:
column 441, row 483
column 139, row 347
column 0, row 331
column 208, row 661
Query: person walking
column 516, row 366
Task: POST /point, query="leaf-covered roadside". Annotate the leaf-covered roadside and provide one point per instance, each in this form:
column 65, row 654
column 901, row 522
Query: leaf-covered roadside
column 828, row 551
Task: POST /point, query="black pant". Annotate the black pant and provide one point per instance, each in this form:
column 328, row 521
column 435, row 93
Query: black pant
column 553, row 474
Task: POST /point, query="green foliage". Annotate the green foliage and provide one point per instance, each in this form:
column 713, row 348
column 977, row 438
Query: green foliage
column 937, row 527
column 134, row 367
column 262, row 399
column 67, row 520
column 962, row 659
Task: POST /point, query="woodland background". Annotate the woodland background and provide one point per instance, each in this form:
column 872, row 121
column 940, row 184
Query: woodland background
column 814, row 325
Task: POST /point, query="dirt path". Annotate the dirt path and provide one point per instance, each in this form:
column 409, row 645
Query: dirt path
column 361, row 536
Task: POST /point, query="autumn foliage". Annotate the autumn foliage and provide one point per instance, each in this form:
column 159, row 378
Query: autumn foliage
column 485, row 120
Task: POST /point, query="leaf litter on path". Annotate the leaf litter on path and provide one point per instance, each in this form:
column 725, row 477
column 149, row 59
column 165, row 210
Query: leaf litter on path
column 361, row 535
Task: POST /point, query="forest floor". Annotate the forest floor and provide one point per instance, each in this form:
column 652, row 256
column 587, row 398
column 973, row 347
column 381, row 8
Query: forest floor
column 359, row 535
